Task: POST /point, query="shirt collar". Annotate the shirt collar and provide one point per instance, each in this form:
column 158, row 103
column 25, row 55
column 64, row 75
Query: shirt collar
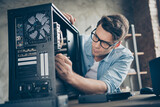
column 88, row 48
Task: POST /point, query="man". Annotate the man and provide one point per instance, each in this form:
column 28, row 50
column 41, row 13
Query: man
column 105, row 61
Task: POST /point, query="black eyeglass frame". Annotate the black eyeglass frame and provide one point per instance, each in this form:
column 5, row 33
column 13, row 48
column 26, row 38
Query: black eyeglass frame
column 109, row 45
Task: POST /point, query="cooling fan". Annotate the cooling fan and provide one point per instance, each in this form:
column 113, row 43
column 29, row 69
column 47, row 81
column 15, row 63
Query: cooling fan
column 37, row 28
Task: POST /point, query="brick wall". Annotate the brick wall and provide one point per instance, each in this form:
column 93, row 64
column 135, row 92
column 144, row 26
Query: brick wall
column 146, row 23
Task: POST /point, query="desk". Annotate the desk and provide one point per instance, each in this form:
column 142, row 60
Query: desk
column 136, row 100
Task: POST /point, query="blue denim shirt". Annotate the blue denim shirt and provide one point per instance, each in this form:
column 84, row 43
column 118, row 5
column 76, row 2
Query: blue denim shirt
column 112, row 70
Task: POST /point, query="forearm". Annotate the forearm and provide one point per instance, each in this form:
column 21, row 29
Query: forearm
column 86, row 85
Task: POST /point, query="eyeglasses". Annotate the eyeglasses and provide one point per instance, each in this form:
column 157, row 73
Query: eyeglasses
column 104, row 44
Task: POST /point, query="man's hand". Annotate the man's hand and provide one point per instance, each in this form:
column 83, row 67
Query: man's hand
column 70, row 17
column 86, row 85
column 63, row 67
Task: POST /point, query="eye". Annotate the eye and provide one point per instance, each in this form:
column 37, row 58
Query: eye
column 105, row 44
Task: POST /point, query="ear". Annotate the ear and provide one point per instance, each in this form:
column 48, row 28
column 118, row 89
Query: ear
column 117, row 44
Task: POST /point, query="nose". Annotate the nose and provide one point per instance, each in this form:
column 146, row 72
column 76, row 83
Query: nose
column 97, row 44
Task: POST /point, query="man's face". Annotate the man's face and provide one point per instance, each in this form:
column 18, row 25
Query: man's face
column 97, row 50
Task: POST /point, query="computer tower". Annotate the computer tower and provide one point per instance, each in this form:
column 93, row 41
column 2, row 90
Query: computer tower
column 36, row 35
column 154, row 65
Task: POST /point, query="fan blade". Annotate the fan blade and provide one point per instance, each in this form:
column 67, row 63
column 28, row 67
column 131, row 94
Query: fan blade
column 32, row 20
column 28, row 27
column 46, row 27
column 33, row 35
column 40, row 16
column 44, row 20
column 31, row 29
column 42, row 32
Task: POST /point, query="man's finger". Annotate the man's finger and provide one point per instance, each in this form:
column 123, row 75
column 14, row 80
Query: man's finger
column 67, row 61
column 64, row 58
column 59, row 59
column 70, row 17
column 60, row 66
column 61, row 56
column 66, row 15
column 57, row 68
column 60, row 62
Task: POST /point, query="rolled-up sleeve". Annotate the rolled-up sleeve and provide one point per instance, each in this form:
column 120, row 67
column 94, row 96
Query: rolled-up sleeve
column 116, row 73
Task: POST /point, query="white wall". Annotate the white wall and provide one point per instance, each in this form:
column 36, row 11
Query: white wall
column 88, row 12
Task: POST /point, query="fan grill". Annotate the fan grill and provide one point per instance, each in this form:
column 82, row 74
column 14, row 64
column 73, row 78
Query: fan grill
column 37, row 28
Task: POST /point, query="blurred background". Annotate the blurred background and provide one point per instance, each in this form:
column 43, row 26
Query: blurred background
column 143, row 14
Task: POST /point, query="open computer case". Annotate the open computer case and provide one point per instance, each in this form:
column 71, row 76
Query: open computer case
column 36, row 35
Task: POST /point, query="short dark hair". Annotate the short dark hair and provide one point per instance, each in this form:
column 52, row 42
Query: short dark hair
column 117, row 25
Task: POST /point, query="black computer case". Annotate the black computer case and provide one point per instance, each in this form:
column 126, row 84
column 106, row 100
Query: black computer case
column 36, row 35
column 154, row 66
